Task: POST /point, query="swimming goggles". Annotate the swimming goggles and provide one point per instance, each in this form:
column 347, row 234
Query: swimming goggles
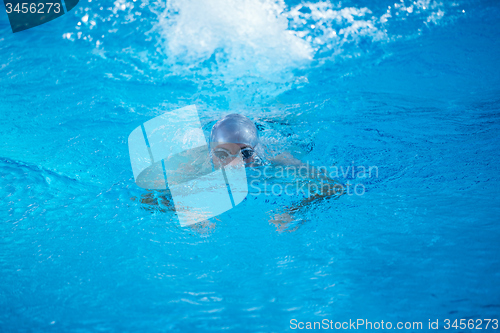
column 222, row 153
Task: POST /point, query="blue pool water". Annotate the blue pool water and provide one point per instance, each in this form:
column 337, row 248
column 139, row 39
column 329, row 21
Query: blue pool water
column 412, row 88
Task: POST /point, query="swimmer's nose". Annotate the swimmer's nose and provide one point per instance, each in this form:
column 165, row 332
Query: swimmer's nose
column 228, row 162
column 233, row 148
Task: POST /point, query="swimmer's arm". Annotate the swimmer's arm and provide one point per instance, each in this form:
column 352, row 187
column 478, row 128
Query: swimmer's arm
column 328, row 190
column 329, row 186
column 286, row 159
column 155, row 200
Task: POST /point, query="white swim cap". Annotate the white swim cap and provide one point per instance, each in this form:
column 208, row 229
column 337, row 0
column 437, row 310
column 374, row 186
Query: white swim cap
column 234, row 128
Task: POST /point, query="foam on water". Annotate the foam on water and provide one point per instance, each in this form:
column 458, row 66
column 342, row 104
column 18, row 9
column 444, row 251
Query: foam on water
column 238, row 39
column 249, row 49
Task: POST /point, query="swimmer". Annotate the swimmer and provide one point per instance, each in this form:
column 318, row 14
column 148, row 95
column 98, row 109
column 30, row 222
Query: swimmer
column 236, row 134
column 232, row 135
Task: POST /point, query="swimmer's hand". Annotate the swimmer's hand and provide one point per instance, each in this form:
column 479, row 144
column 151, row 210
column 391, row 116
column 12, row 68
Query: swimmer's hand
column 159, row 200
column 283, row 221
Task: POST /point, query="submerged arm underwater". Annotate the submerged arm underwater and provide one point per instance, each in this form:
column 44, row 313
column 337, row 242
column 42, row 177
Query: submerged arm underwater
column 311, row 188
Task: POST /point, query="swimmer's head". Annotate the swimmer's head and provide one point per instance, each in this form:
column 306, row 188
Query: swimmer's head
column 234, row 128
column 231, row 135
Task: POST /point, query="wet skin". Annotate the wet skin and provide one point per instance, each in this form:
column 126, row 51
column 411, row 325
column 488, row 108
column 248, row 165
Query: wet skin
column 233, row 148
column 281, row 219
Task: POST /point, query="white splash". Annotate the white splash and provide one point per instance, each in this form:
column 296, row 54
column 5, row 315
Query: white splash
column 251, row 47
column 265, row 39
column 231, row 38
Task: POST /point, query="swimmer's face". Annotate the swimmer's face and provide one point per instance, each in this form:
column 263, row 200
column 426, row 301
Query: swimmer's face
column 222, row 154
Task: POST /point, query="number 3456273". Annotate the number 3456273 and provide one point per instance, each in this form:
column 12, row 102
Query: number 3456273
column 38, row 8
